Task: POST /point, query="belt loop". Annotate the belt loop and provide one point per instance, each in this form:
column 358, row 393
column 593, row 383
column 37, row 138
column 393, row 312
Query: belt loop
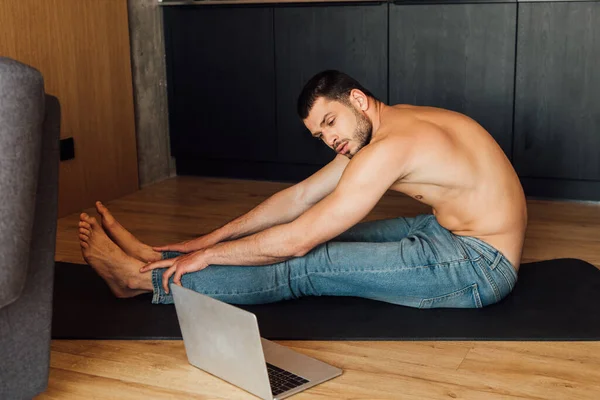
column 496, row 261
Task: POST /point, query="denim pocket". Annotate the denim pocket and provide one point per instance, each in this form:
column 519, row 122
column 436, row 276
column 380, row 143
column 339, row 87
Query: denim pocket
column 463, row 298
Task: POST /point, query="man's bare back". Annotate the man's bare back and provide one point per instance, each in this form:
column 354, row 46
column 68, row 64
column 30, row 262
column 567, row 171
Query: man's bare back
column 463, row 174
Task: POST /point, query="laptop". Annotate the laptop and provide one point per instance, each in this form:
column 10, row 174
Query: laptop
column 225, row 341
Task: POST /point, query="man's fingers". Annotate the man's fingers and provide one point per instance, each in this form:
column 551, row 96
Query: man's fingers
column 177, row 277
column 183, row 268
column 171, row 247
column 158, row 264
column 166, row 275
column 163, row 248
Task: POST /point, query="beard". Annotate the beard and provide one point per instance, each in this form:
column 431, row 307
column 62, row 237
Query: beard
column 363, row 131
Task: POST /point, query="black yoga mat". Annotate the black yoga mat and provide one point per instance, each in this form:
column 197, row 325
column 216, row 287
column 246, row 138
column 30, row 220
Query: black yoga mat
column 553, row 300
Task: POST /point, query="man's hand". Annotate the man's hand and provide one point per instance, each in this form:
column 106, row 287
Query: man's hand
column 191, row 262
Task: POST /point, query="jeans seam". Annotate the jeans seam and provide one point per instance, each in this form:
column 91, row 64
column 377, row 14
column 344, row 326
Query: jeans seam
column 508, row 281
column 447, row 264
column 504, row 277
column 292, row 278
column 477, row 296
column 489, row 278
column 157, row 296
column 460, row 292
column 250, row 292
column 436, row 264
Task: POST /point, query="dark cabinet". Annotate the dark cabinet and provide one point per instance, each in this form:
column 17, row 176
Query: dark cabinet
column 459, row 57
column 557, row 103
column 309, row 39
column 220, row 66
column 234, row 74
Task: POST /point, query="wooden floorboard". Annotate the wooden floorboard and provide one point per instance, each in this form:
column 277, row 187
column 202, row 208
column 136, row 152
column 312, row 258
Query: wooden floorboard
column 185, row 207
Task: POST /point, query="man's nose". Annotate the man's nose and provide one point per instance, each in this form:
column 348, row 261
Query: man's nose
column 330, row 139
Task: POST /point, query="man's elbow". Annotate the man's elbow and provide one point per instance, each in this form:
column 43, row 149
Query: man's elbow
column 302, row 237
column 301, row 250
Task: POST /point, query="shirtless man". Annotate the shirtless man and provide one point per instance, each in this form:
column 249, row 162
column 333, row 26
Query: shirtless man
column 307, row 240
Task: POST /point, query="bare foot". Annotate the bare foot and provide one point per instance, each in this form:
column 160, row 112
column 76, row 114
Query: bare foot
column 122, row 237
column 120, row 271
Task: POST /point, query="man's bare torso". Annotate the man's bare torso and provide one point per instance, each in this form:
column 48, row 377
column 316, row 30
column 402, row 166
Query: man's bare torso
column 460, row 171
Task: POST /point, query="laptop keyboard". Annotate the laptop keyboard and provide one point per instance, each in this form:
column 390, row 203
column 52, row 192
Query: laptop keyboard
column 282, row 380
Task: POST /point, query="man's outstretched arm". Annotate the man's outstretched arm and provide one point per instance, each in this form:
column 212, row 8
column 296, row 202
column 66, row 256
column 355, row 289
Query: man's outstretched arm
column 287, row 205
column 364, row 181
column 280, row 208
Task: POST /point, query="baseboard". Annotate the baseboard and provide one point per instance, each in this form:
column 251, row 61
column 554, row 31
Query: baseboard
column 561, row 189
column 269, row 171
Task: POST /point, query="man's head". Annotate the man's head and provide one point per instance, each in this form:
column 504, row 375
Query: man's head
column 334, row 106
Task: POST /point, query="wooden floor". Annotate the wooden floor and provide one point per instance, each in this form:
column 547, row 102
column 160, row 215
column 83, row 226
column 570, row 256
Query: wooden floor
column 183, row 207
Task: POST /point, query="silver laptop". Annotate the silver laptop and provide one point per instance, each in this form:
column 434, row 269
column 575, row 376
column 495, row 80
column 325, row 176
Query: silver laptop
column 224, row 341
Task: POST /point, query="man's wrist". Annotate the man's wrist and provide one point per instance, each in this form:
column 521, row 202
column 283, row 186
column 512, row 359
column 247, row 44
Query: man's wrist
column 204, row 241
column 208, row 255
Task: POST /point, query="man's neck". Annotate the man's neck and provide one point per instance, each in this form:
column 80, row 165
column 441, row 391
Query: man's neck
column 374, row 113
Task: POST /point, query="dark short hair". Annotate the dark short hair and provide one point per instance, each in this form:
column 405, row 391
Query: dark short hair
column 330, row 84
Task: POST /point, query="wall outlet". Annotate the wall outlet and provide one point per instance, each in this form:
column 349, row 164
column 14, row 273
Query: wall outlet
column 67, row 149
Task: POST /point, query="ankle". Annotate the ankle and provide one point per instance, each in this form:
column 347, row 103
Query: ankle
column 140, row 281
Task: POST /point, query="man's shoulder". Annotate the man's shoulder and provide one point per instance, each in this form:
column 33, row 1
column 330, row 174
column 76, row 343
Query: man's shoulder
column 381, row 147
column 415, row 135
column 405, row 148
column 387, row 156
column 402, row 138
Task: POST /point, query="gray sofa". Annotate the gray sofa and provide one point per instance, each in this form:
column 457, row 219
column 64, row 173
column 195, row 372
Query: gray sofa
column 29, row 157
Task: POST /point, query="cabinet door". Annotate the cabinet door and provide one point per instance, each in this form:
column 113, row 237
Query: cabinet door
column 221, row 82
column 459, row 57
column 557, row 110
column 308, row 40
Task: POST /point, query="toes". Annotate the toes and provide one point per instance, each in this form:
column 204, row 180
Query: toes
column 108, row 221
column 100, row 207
column 83, row 224
column 86, row 218
column 85, row 231
column 84, row 245
column 84, row 238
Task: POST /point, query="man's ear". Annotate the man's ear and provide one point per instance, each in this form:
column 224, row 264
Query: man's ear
column 359, row 99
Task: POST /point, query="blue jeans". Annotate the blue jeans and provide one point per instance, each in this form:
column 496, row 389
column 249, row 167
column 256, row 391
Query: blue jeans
column 413, row 262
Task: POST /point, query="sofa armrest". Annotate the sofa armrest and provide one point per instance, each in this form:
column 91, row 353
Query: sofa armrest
column 22, row 101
